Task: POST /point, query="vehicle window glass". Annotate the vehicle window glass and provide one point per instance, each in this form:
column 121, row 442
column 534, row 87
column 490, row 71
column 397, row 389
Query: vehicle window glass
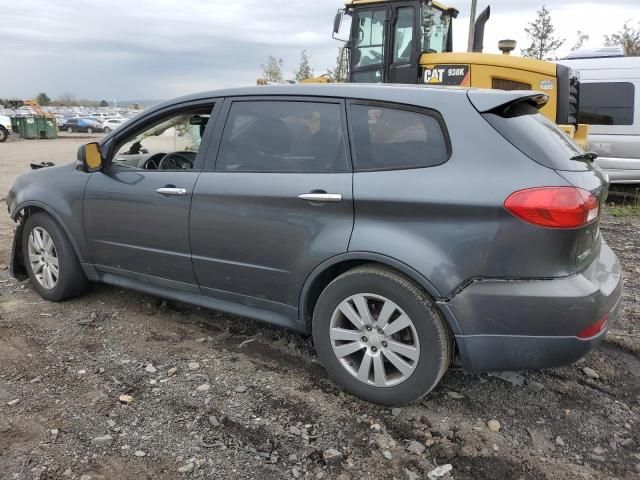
column 435, row 29
column 388, row 138
column 537, row 137
column 370, row 37
column 172, row 142
column 610, row 103
column 403, row 35
column 270, row 136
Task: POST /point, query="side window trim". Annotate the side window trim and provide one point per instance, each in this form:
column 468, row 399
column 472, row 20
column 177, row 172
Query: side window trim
column 397, row 106
column 145, row 122
column 213, row 152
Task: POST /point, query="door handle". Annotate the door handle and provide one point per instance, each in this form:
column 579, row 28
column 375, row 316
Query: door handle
column 321, row 197
column 171, row 191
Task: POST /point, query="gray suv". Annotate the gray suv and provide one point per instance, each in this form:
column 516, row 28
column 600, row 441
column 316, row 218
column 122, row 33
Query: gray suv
column 406, row 228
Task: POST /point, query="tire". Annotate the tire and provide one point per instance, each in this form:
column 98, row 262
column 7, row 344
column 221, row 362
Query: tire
column 69, row 130
column 4, row 134
column 89, row 130
column 70, row 281
column 426, row 338
column 107, row 129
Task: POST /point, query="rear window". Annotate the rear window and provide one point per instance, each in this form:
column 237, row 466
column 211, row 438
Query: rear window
column 393, row 139
column 537, row 137
column 608, row 103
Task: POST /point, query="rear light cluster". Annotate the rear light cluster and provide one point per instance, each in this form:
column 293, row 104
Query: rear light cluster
column 593, row 330
column 554, row 207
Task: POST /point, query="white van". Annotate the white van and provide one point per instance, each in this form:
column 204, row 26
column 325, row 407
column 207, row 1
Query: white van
column 610, row 103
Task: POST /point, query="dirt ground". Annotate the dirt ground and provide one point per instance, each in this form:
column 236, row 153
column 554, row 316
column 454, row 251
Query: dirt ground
column 221, row 397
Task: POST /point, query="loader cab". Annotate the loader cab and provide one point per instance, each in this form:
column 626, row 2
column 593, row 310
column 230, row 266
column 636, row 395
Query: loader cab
column 388, row 38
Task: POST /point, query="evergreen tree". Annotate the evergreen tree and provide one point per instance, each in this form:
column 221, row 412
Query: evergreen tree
column 541, row 31
column 43, row 99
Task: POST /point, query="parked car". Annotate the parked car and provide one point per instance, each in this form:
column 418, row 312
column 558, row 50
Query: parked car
column 112, row 123
column 5, row 127
column 610, row 103
column 85, row 125
column 449, row 227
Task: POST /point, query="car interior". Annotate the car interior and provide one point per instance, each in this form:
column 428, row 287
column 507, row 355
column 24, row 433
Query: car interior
column 171, row 144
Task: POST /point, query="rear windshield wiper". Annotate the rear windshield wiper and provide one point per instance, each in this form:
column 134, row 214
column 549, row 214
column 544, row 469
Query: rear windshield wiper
column 585, row 157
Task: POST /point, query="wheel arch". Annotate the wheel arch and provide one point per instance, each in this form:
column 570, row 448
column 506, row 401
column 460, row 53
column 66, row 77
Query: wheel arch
column 327, row 271
column 21, row 213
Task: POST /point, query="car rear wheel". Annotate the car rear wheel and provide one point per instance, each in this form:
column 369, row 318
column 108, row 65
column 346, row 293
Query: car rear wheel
column 69, row 130
column 380, row 337
column 51, row 262
column 4, row 134
column 89, row 130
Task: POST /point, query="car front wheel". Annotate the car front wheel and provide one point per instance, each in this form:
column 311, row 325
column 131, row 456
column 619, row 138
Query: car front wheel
column 380, row 337
column 107, row 129
column 69, row 130
column 89, row 130
column 51, row 262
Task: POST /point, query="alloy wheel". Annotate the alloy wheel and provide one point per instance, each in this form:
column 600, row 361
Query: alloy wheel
column 374, row 340
column 43, row 258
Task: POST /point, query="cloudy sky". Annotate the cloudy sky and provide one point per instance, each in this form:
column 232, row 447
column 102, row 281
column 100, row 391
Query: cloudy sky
column 157, row 49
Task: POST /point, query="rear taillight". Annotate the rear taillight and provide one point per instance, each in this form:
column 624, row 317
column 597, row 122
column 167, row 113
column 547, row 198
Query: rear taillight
column 595, row 329
column 554, row 207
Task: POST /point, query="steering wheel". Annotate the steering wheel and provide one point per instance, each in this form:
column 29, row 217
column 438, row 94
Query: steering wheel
column 175, row 161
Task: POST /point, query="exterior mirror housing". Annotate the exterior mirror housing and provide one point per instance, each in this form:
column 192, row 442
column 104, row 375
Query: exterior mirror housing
column 90, row 157
column 337, row 21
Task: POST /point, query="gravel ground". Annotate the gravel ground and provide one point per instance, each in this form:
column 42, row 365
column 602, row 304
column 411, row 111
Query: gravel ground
column 118, row 385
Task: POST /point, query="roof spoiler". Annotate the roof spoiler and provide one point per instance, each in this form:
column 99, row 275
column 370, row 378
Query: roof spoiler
column 491, row 100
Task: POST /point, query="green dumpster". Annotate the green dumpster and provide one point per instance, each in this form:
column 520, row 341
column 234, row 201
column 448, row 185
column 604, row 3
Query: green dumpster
column 14, row 125
column 47, row 127
column 51, row 128
column 28, row 127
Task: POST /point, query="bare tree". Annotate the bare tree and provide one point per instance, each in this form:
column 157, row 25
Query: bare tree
column 581, row 38
column 628, row 38
column 304, row 70
column 272, row 70
column 66, row 100
column 541, row 31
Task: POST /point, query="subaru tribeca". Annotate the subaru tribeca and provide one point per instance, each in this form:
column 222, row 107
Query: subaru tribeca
column 406, row 228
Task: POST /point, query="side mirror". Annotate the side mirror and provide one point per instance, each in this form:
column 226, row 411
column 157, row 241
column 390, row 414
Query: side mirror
column 337, row 22
column 90, row 157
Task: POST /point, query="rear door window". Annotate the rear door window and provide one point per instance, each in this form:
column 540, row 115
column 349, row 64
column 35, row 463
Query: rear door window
column 610, row 103
column 388, row 138
column 283, row 136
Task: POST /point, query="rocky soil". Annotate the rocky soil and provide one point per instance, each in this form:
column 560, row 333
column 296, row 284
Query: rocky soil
column 119, row 385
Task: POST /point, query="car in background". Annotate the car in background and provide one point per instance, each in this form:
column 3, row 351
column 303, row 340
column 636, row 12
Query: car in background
column 610, row 104
column 82, row 125
column 5, row 127
column 112, row 123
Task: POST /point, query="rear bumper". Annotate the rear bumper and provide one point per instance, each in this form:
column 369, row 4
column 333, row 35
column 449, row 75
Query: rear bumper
column 533, row 324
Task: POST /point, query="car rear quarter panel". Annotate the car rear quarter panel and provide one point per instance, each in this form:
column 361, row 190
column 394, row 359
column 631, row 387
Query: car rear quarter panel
column 448, row 222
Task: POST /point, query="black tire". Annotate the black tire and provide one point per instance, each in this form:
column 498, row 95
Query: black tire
column 436, row 345
column 4, row 134
column 71, row 281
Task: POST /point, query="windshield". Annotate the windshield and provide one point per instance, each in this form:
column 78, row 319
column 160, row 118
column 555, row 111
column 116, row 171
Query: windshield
column 435, row 29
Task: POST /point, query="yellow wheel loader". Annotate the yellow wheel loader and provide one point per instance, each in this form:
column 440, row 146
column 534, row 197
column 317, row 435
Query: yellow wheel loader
column 411, row 41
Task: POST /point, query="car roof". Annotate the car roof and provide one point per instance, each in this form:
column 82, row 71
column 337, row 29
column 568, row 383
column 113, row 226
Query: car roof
column 419, row 95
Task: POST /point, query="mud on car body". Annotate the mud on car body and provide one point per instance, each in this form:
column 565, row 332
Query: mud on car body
column 405, row 228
